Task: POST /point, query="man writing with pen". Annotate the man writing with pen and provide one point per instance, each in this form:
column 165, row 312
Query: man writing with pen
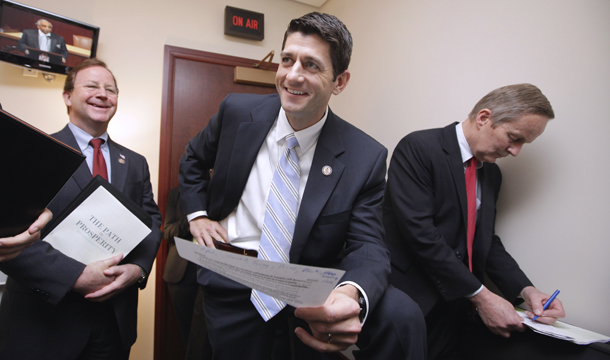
column 439, row 214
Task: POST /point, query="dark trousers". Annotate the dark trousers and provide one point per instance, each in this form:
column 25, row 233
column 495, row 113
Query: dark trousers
column 395, row 329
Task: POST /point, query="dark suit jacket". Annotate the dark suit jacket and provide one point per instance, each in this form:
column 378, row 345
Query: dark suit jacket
column 29, row 38
column 38, row 305
column 425, row 219
column 339, row 221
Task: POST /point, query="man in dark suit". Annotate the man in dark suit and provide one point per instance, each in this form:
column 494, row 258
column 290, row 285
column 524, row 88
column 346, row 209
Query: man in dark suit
column 42, row 39
column 70, row 310
column 338, row 222
column 426, row 215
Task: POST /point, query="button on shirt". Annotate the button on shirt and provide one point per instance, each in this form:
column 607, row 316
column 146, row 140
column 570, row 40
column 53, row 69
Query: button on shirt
column 82, row 139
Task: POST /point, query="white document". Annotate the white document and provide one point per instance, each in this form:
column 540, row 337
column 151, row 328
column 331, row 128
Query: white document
column 563, row 331
column 100, row 227
column 296, row 285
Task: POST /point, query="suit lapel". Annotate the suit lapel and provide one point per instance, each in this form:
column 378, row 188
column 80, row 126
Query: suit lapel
column 454, row 160
column 486, row 214
column 119, row 163
column 319, row 187
column 248, row 140
column 82, row 175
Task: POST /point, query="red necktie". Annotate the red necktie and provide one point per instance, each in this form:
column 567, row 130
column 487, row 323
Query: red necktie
column 471, row 193
column 99, row 164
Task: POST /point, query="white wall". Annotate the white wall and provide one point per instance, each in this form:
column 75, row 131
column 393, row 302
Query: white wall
column 416, row 64
column 425, row 63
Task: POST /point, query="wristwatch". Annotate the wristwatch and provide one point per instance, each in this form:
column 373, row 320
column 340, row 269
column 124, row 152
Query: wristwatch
column 362, row 304
column 142, row 275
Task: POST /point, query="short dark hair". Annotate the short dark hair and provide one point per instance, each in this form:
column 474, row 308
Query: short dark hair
column 69, row 84
column 511, row 102
column 331, row 30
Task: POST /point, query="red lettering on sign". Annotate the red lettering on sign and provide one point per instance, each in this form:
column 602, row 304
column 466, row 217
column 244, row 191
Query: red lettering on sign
column 238, row 20
column 252, row 24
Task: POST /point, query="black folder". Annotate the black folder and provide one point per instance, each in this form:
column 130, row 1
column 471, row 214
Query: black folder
column 140, row 215
column 34, row 168
column 96, row 182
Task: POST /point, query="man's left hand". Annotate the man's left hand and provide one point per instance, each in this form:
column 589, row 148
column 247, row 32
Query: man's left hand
column 124, row 276
column 535, row 299
column 335, row 325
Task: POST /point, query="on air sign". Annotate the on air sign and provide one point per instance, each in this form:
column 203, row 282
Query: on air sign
column 244, row 23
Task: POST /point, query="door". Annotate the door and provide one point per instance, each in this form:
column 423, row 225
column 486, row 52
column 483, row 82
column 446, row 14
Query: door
column 194, row 84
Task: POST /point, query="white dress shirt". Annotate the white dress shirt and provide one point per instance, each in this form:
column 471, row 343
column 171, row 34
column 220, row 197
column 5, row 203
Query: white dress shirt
column 44, row 41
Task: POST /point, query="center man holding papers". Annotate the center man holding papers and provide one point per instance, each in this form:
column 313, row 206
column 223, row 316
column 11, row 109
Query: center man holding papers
column 295, row 183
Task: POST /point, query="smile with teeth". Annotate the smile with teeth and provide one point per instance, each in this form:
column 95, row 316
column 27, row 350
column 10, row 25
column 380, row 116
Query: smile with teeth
column 100, row 106
column 295, row 92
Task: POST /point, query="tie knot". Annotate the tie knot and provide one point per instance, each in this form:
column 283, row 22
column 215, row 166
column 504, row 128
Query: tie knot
column 96, row 143
column 291, row 141
column 472, row 162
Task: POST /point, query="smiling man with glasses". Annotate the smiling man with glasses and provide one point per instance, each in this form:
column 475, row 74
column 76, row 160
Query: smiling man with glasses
column 72, row 310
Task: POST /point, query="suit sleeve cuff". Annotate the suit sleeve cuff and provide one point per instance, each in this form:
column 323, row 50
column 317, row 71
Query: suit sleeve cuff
column 196, row 214
column 366, row 298
column 475, row 293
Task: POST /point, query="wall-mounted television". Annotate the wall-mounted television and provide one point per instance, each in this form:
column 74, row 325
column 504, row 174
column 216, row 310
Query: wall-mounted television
column 39, row 40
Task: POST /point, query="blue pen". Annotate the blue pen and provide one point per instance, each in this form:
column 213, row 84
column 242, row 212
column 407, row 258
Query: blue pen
column 547, row 303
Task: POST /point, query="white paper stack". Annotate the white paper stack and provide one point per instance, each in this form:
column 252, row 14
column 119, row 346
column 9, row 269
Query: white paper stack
column 563, row 331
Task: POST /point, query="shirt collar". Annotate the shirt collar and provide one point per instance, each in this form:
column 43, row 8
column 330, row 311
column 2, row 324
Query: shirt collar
column 40, row 33
column 464, row 147
column 83, row 137
column 306, row 137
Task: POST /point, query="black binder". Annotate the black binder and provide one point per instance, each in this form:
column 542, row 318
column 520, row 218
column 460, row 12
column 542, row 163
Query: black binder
column 96, row 182
column 34, row 168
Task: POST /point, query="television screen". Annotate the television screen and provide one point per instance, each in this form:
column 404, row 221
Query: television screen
column 40, row 40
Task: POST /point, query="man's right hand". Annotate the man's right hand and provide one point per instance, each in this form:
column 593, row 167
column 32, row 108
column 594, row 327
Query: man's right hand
column 205, row 231
column 93, row 277
column 498, row 314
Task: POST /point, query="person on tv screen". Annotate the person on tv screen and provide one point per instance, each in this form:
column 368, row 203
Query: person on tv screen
column 42, row 39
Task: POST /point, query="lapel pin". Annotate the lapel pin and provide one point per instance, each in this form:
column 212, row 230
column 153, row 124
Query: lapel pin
column 122, row 159
column 327, row 170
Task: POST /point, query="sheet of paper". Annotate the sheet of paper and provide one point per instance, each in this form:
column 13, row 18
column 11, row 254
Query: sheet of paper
column 100, row 227
column 563, row 331
column 296, row 285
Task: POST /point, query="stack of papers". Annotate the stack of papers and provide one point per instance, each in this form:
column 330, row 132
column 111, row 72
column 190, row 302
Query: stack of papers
column 563, row 331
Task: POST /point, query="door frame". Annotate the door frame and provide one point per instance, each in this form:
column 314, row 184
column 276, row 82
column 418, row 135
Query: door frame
column 171, row 55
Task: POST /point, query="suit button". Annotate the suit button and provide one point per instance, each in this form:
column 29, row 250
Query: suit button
column 459, row 255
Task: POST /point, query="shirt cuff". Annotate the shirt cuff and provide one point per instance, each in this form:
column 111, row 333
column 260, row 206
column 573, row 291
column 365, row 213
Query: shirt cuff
column 475, row 293
column 196, row 214
column 366, row 298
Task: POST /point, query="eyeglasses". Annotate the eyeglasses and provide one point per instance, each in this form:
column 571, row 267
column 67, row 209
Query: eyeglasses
column 110, row 91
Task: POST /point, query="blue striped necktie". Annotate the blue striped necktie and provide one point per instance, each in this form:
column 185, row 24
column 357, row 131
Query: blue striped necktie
column 278, row 224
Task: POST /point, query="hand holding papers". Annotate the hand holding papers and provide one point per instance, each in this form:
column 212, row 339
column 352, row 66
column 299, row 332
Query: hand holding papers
column 296, row 285
column 101, row 222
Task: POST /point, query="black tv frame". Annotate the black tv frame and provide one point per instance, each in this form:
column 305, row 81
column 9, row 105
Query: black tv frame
column 13, row 55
